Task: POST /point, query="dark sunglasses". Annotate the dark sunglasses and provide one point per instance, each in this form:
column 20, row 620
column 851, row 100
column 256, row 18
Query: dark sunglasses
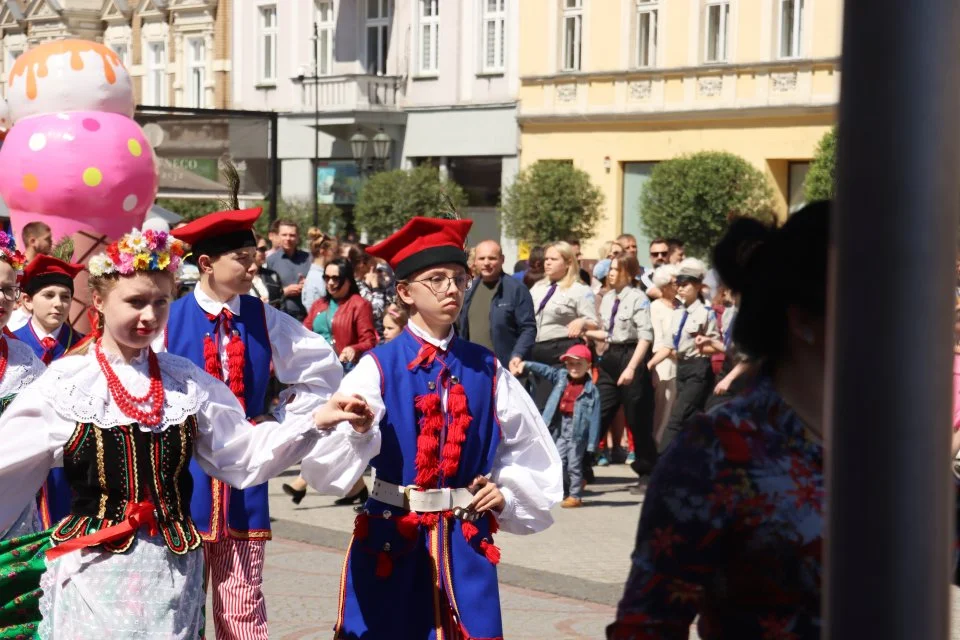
column 658, row 254
column 334, row 279
column 262, row 248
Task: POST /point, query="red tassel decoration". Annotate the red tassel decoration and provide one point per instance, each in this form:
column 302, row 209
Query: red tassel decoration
column 429, row 520
column 468, row 529
column 361, row 526
column 409, row 525
column 493, row 522
column 428, row 442
column 384, row 565
column 211, row 358
column 492, row 551
column 456, row 432
column 236, row 359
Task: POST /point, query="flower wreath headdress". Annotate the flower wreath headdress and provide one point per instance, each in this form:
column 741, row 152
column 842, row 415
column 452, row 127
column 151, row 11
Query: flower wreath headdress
column 148, row 250
column 10, row 254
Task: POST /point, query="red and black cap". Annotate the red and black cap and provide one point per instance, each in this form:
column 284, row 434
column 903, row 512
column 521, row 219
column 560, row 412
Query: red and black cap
column 423, row 243
column 44, row 271
column 218, row 233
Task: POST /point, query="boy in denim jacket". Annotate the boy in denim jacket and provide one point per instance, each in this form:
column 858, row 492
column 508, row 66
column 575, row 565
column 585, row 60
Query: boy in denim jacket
column 572, row 413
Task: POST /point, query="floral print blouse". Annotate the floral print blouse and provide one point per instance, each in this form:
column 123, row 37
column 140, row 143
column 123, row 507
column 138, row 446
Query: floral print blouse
column 731, row 529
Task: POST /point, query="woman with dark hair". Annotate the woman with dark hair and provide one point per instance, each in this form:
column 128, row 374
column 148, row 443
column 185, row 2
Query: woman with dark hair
column 732, row 522
column 534, row 272
column 370, row 282
column 342, row 316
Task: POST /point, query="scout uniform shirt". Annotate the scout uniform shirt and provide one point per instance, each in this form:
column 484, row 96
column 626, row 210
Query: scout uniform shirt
column 688, row 323
column 557, row 307
column 626, row 316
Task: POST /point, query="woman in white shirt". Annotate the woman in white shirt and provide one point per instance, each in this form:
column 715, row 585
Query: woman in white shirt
column 565, row 310
column 664, row 368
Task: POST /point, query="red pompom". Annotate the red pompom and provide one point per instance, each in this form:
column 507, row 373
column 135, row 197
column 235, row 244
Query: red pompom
column 492, row 551
column 429, row 520
column 361, row 526
column 384, row 565
column 468, row 529
column 211, row 358
column 236, row 360
column 457, row 400
column 493, row 522
column 409, row 525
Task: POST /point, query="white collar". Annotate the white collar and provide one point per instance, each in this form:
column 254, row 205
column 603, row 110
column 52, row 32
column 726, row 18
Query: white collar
column 213, row 307
column 41, row 333
column 426, row 337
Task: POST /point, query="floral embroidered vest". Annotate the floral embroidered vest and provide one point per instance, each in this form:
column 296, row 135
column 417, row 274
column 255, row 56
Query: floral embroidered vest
column 111, row 468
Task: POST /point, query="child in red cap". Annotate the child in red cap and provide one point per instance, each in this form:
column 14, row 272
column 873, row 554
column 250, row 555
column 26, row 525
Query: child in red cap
column 573, row 414
column 458, row 450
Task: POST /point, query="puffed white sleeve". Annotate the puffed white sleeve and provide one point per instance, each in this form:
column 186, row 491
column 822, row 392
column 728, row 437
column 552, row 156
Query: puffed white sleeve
column 339, row 459
column 232, row 449
column 527, row 467
column 33, row 436
column 303, row 360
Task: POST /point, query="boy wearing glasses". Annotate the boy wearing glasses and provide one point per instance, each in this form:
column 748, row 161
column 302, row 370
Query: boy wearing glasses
column 459, row 451
column 238, row 339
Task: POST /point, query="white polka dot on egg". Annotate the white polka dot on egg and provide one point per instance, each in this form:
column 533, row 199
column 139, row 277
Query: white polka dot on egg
column 130, row 202
column 37, row 142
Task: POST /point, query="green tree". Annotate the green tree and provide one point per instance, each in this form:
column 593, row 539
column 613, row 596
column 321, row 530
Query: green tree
column 549, row 201
column 388, row 200
column 694, row 197
column 189, row 209
column 821, row 179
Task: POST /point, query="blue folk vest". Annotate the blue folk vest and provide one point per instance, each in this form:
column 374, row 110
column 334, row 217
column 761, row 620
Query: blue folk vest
column 438, row 572
column 54, row 496
column 217, row 509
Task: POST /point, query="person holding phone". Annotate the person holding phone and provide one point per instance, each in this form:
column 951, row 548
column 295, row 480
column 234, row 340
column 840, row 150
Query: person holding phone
column 692, row 322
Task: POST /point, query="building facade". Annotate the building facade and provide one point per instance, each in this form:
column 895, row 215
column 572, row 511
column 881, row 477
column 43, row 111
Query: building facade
column 177, row 51
column 440, row 78
column 619, row 85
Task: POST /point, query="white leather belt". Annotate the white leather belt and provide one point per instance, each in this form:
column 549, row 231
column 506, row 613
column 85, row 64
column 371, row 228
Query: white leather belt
column 428, row 501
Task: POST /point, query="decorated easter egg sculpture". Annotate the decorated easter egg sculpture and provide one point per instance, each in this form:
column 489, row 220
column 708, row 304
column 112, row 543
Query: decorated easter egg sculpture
column 73, row 157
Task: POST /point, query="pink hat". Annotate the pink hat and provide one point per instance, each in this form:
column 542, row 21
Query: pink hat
column 577, row 351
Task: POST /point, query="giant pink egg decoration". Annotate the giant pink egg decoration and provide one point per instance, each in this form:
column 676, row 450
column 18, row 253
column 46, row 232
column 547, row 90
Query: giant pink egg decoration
column 74, row 158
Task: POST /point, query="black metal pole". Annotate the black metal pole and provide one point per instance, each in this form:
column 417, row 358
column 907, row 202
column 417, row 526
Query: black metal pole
column 889, row 491
column 316, row 123
column 274, row 165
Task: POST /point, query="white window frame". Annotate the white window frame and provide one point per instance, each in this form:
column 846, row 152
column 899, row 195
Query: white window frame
column 122, row 49
column 646, row 52
column 497, row 19
column 196, row 71
column 428, row 20
column 267, row 36
column 796, row 35
column 572, row 49
column 325, row 32
column 157, row 74
column 381, row 23
column 11, row 58
column 723, row 41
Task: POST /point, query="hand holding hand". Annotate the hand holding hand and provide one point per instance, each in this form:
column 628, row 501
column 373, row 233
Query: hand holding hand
column 516, row 366
column 343, row 408
column 487, row 496
column 349, row 354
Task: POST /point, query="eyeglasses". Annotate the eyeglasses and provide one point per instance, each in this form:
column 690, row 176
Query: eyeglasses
column 658, row 254
column 441, row 284
column 262, row 249
column 334, row 280
column 11, row 293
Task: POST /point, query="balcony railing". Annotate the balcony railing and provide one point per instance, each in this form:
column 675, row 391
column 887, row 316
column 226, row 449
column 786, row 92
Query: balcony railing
column 351, row 93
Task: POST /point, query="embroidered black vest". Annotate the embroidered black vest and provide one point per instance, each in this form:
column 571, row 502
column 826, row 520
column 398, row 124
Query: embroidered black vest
column 107, row 469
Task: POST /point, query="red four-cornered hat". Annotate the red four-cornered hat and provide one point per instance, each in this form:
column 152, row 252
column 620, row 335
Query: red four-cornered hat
column 423, row 243
column 44, row 271
column 220, row 232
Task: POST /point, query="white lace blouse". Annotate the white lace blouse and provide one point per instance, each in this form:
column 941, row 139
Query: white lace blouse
column 73, row 390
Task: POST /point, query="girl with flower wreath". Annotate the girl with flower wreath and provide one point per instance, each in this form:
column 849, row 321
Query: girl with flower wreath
column 124, row 423
column 18, row 368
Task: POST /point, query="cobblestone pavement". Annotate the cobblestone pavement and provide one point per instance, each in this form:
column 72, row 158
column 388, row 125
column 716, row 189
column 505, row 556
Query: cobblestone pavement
column 562, row 584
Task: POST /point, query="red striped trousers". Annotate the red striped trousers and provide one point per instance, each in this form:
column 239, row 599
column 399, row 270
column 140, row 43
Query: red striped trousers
column 235, row 571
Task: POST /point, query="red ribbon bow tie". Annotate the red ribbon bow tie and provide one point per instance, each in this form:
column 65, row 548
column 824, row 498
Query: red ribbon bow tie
column 425, row 357
column 48, row 345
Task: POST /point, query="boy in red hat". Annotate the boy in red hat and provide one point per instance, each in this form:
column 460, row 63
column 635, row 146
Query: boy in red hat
column 458, row 450
column 573, row 414
column 238, row 339
column 46, row 294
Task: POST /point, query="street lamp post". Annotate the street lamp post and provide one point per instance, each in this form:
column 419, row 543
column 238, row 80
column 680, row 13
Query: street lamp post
column 316, row 123
column 359, row 144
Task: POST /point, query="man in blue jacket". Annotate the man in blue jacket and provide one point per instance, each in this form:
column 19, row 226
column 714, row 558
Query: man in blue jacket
column 498, row 310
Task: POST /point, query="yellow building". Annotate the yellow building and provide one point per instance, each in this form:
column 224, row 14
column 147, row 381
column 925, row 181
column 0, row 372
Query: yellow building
column 619, row 85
